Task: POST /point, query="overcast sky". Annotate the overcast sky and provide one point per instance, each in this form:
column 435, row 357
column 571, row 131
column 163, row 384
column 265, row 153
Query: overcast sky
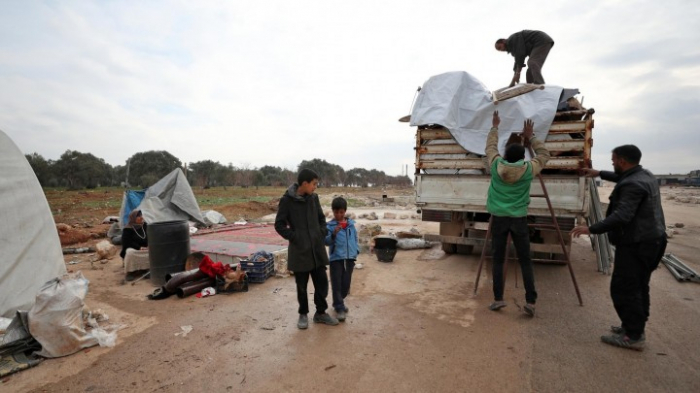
column 278, row 82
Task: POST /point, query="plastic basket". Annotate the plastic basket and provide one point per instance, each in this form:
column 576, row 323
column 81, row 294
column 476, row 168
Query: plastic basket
column 258, row 271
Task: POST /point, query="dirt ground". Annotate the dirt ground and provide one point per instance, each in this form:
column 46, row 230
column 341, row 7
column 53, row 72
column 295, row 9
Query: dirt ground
column 413, row 325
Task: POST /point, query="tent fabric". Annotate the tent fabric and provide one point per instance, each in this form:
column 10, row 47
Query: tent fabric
column 29, row 244
column 462, row 104
column 132, row 199
column 170, row 199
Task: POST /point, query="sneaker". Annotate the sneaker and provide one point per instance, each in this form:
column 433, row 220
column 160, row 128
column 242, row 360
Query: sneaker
column 325, row 318
column 340, row 315
column 497, row 305
column 303, row 321
column 623, row 341
column 617, row 329
column 620, row 331
column 530, row 309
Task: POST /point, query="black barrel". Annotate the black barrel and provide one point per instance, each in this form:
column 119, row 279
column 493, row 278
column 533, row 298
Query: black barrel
column 168, row 248
column 385, row 248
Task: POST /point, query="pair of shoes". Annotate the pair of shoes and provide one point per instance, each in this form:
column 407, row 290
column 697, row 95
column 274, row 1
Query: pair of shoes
column 623, row 341
column 325, row 318
column 497, row 305
column 619, row 330
column 303, row 321
column 530, row 309
column 341, row 315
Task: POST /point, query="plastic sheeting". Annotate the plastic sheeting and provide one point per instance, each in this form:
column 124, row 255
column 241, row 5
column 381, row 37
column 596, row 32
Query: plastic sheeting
column 462, row 104
column 31, row 251
column 56, row 319
column 170, row 199
column 132, row 199
column 212, row 217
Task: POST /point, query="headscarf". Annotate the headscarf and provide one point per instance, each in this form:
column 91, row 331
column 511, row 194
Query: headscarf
column 132, row 219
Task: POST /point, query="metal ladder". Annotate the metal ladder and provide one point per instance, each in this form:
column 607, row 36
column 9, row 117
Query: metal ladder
column 554, row 225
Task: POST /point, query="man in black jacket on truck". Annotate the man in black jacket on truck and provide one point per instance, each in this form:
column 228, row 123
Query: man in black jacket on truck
column 527, row 43
column 635, row 224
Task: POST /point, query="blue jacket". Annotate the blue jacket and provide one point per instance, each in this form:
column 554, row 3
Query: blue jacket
column 345, row 244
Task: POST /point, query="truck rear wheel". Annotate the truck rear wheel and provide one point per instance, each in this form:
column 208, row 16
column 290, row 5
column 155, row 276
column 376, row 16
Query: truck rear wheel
column 449, row 248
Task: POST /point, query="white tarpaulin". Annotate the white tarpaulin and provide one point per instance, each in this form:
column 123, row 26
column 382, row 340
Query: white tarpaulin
column 463, row 105
column 29, row 245
column 170, row 199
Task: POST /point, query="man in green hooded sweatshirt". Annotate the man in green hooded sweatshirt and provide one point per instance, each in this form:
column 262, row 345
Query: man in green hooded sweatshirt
column 508, row 199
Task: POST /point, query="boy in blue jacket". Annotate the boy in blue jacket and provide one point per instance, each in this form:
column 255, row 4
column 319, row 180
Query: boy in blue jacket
column 342, row 240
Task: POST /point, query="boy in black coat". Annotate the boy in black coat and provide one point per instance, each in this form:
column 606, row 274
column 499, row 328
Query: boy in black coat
column 300, row 220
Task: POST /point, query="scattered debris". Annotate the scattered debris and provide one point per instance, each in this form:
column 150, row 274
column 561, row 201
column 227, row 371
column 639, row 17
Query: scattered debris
column 185, row 330
column 679, row 225
column 389, row 216
column 412, row 244
column 79, row 250
column 105, row 249
column 679, row 270
column 330, row 367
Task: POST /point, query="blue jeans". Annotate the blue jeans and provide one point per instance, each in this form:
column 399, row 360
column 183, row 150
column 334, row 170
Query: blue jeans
column 519, row 233
column 341, row 276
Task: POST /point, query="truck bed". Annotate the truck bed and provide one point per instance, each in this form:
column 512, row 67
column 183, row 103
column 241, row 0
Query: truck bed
column 449, row 178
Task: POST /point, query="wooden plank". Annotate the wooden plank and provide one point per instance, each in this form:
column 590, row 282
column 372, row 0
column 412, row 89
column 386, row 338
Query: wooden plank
column 571, row 145
column 440, row 149
column 434, row 134
column 579, row 126
column 452, row 164
column 476, row 163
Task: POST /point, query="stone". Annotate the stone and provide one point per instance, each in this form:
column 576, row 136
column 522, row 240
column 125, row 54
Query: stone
column 389, row 216
column 679, row 225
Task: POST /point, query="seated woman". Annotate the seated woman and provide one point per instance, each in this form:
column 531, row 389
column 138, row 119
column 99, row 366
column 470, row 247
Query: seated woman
column 134, row 246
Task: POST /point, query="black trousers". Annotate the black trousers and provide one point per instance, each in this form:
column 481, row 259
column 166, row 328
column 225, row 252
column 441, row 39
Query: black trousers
column 341, row 277
column 519, row 233
column 535, row 63
column 320, row 280
column 629, row 286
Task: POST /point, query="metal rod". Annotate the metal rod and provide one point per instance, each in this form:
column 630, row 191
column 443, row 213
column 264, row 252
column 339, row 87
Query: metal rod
column 673, row 271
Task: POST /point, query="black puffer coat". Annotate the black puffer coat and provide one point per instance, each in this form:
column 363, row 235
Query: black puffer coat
column 634, row 214
column 300, row 220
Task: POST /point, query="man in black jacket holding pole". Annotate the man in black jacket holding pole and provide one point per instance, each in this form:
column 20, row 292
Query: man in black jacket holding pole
column 635, row 225
column 527, row 43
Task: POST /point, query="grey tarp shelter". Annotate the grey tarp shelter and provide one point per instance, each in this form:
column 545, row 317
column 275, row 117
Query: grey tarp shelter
column 30, row 251
column 169, row 199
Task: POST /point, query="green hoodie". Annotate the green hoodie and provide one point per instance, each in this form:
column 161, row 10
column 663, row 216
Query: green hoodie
column 509, row 192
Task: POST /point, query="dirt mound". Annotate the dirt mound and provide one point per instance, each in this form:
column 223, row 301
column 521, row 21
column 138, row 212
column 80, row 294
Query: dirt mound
column 248, row 210
column 78, row 233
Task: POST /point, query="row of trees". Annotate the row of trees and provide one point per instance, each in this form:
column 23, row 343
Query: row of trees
column 76, row 170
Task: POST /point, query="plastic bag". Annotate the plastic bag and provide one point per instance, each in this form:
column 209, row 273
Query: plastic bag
column 104, row 338
column 56, row 319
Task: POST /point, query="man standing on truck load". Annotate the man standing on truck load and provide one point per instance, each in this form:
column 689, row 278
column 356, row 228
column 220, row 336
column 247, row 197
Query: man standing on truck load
column 635, row 224
column 527, row 43
column 508, row 199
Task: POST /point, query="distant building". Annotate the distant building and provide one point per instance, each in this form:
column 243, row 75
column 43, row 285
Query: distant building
column 692, row 178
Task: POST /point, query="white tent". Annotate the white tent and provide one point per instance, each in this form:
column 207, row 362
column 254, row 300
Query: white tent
column 30, row 252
